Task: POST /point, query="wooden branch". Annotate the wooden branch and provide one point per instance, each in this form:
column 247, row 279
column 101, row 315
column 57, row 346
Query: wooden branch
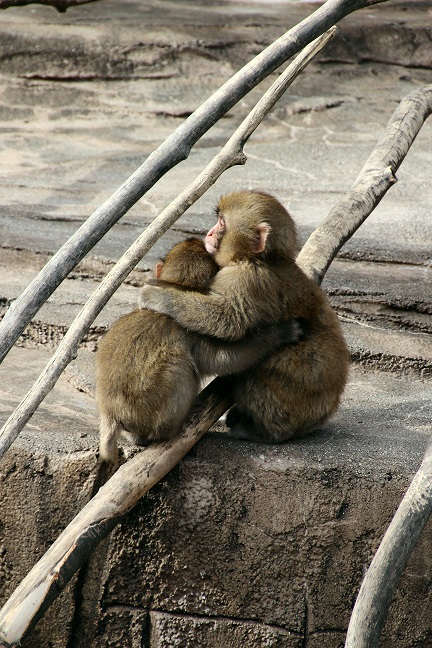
column 389, row 562
column 374, row 180
column 172, row 151
column 102, row 513
column 230, row 155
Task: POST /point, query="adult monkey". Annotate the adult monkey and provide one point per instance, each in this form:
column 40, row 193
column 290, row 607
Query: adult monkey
column 297, row 388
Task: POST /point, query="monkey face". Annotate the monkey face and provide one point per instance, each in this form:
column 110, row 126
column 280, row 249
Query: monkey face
column 251, row 225
column 240, row 233
column 215, row 234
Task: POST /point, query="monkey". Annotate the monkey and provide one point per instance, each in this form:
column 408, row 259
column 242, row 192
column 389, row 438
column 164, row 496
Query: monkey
column 297, row 388
column 149, row 369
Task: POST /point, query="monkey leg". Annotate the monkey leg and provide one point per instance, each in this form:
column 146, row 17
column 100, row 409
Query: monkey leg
column 258, row 414
column 135, row 438
column 109, row 432
column 272, row 424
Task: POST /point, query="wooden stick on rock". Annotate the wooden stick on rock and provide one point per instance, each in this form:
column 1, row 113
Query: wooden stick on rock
column 381, row 580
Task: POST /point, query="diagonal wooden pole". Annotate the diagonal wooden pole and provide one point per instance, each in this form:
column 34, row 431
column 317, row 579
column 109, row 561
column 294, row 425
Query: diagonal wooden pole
column 388, row 564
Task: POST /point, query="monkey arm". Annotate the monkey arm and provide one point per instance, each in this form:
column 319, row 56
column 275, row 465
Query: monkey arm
column 214, row 356
column 241, row 298
column 210, row 314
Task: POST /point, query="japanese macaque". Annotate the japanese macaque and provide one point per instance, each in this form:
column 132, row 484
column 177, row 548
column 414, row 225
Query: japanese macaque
column 149, row 369
column 297, row 388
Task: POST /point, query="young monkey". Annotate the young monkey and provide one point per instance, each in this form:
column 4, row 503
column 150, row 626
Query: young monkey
column 297, row 388
column 149, row 369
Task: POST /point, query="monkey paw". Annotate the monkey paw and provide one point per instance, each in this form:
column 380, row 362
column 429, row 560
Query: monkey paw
column 241, row 426
column 242, row 432
column 154, row 298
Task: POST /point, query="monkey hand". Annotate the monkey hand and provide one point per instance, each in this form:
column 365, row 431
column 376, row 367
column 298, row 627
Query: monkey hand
column 283, row 333
column 156, row 299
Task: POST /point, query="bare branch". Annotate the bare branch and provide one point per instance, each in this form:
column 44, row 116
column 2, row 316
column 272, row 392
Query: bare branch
column 172, row 151
column 389, row 562
column 230, row 155
column 374, row 180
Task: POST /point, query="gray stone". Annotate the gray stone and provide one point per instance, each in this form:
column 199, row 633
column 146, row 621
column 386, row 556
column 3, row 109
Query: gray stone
column 279, row 535
column 176, row 631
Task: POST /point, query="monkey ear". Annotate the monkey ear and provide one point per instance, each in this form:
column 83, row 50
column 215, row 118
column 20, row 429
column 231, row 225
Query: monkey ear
column 158, row 269
column 259, row 243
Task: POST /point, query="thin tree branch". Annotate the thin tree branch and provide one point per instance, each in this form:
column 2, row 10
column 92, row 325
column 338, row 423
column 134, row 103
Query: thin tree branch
column 374, row 180
column 230, row 155
column 172, row 151
column 389, row 562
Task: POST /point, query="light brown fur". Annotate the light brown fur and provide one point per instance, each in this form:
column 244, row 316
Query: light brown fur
column 297, row 388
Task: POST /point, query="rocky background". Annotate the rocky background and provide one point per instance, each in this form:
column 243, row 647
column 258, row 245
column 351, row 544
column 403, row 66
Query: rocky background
column 242, row 544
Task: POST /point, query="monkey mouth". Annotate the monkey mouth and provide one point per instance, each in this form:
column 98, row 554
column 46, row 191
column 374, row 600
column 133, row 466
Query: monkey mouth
column 211, row 249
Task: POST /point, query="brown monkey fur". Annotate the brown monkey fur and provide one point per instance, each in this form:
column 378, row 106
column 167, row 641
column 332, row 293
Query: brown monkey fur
column 297, row 388
column 149, row 369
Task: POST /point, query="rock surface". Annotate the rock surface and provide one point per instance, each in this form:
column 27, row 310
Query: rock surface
column 242, row 544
